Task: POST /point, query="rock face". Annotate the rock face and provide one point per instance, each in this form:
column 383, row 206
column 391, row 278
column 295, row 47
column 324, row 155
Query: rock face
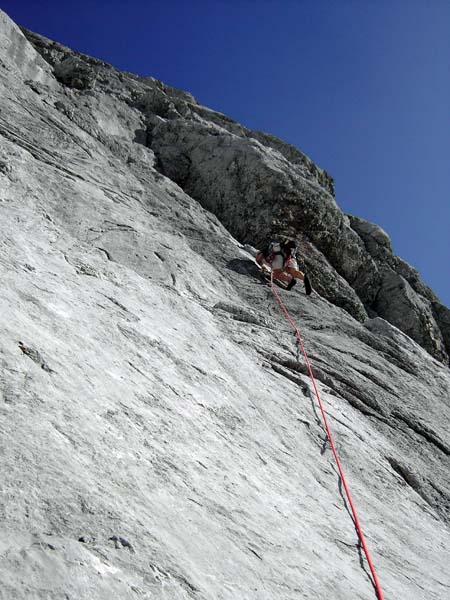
column 259, row 186
column 159, row 435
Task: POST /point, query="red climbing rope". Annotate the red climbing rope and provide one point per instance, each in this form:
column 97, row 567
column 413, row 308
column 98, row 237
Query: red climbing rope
column 333, row 447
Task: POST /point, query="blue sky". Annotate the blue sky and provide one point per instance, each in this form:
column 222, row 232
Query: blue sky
column 362, row 87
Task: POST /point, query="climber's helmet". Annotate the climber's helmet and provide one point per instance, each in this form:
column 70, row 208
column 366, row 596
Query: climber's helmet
column 275, row 246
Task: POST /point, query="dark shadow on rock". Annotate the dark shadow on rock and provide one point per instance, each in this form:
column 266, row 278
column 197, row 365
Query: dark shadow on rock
column 324, row 446
column 244, row 266
column 318, row 421
column 359, row 547
column 140, row 137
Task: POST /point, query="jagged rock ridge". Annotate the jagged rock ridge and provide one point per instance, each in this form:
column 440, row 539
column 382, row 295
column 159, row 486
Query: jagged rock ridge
column 159, row 435
column 260, row 186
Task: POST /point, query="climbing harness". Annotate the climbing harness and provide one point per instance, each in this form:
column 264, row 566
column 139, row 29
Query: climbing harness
column 333, row 447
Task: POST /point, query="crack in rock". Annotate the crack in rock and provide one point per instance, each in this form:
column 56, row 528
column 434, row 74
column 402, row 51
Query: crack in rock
column 35, row 356
column 242, row 314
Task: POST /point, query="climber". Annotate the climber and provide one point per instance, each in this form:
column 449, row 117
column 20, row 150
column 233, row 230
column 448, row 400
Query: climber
column 280, row 259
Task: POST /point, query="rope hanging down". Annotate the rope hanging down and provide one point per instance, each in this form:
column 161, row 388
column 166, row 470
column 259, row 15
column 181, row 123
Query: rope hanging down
column 333, row 447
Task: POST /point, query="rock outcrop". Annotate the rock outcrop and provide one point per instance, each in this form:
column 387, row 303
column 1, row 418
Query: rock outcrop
column 259, row 186
column 160, row 436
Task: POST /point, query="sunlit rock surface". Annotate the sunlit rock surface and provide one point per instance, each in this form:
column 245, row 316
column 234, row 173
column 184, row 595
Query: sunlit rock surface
column 258, row 186
column 159, row 435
